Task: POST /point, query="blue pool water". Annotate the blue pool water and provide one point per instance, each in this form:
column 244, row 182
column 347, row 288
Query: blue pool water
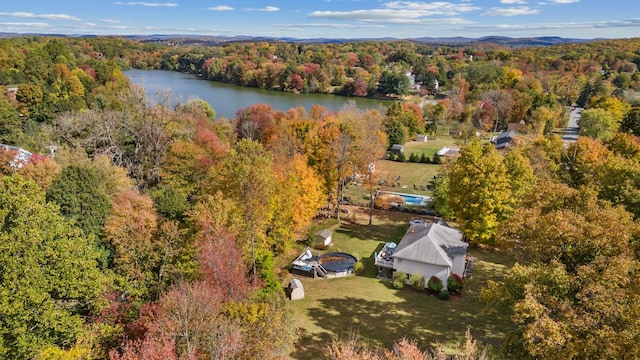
column 414, row 200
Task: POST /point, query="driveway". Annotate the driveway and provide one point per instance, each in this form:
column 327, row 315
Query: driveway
column 571, row 134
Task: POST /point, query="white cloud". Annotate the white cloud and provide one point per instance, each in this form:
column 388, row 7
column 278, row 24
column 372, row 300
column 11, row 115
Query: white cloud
column 220, row 8
column 148, row 4
column 330, row 25
column 515, row 11
column 513, row 2
column 88, row 25
column 437, row 8
column 265, row 9
column 26, row 24
column 28, row 15
column 563, row 1
column 110, row 21
column 403, row 12
column 530, row 28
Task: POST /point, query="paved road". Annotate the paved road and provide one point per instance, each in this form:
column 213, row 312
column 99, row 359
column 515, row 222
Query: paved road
column 571, row 135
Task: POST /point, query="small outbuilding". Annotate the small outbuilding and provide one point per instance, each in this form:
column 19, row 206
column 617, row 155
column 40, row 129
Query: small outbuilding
column 397, row 149
column 421, row 138
column 296, row 291
column 323, row 238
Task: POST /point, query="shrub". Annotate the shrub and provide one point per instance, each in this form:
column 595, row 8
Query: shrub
column 385, row 201
column 358, row 267
column 424, row 159
column 444, row 295
column 435, row 284
column 414, row 158
column 400, row 157
column 417, row 281
column 399, row 279
column 454, row 283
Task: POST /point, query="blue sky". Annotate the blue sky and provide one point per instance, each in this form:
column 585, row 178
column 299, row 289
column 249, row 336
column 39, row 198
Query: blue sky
column 327, row 18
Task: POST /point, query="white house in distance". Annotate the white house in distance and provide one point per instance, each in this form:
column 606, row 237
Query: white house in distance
column 421, row 138
column 21, row 157
column 431, row 249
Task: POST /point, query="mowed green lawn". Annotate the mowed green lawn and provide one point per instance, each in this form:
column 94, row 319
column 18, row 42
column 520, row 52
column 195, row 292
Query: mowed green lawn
column 379, row 314
column 430, row 147
column 410, row 173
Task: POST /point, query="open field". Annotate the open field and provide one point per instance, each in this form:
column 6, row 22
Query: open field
column 380, row 314
column 409, row 173
column 430, row 147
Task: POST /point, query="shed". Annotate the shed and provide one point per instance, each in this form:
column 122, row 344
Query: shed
column 421, row 138
column 397, row 149
column 296, row 290
column 323, row 237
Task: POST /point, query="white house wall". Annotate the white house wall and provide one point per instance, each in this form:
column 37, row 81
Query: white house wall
column 458, row 264
column 427, row 270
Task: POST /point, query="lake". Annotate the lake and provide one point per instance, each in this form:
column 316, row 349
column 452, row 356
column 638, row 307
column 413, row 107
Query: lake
column 226, row 99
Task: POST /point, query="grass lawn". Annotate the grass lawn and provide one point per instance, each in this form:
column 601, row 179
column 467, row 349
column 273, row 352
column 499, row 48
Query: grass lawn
column 429, row 147
column 410, row 173
column 380, row 314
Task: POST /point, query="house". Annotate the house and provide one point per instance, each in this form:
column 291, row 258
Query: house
column 431, row 249
column 21, row 157
column 421, row 138
column 503, row 139
column 397, row 149
column 323, row 238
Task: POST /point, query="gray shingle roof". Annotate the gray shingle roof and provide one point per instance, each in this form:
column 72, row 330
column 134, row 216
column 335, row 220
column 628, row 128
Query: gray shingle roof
column 325, row 234
column 431, row 243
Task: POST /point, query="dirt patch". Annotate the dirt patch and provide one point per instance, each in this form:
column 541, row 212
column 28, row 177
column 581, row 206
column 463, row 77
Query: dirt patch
column 360, row 215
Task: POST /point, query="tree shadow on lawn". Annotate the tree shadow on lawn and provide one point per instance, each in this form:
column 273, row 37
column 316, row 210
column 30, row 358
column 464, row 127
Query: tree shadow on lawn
column 420, row 317
column 311, row 346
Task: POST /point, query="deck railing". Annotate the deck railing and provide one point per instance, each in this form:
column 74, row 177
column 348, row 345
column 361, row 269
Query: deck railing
column 384, row 263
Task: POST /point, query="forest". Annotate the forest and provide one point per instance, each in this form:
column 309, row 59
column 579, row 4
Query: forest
column 143, row 230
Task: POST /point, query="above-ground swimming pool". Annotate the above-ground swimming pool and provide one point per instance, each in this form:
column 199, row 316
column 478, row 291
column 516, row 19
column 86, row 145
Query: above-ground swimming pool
column 337, row 261
column 327, row 265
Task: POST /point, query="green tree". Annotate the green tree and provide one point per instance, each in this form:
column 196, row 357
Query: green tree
column 50, row 274
column 77, row 191
column 598, row 124
column 393, row 82
column 479, row 192
column 631, row 122
column 441, row 195
column 10, row 123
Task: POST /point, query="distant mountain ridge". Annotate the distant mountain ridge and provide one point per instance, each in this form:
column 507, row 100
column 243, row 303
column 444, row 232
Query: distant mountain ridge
column 210, row 39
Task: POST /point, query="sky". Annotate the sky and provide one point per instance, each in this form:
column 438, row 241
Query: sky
column 306, row 19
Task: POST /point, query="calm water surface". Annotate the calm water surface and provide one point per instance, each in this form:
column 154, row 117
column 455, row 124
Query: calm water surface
column 226, row 99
